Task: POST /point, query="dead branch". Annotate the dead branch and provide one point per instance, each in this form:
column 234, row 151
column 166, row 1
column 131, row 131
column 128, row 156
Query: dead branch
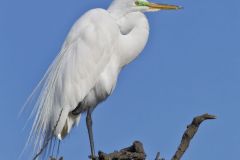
column 136, row 150
column 189, row 134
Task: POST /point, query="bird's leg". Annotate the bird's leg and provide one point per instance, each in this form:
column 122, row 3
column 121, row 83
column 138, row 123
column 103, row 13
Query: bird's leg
column 90, row 133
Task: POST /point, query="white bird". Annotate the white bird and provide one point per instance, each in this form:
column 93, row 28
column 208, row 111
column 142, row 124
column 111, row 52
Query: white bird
column 85, row 72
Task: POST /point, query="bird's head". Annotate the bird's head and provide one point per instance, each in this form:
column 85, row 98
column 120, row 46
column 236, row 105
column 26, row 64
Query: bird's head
column 140, row 5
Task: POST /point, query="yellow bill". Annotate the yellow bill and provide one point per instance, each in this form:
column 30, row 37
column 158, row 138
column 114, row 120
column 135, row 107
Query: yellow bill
column 163, row 6
column 157, row 6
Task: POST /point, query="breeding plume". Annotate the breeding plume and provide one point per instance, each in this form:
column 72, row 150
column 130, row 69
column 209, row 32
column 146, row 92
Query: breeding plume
column 85, row 72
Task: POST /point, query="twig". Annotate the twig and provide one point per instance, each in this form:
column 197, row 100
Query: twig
column 189, row 134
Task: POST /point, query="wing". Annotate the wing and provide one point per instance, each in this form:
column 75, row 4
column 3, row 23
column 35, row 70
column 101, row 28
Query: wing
column 83, row 57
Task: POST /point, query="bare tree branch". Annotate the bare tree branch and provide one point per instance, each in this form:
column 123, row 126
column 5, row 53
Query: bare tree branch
column 189, row 134
column 136, row 150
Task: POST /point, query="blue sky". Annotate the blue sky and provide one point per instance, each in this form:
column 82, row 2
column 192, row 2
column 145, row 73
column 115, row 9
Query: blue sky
column 190, row 66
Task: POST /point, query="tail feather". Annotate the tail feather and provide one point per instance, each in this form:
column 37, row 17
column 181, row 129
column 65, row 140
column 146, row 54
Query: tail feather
column 45, row 110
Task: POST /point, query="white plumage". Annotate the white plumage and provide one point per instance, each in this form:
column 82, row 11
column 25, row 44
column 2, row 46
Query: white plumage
column 85, row 72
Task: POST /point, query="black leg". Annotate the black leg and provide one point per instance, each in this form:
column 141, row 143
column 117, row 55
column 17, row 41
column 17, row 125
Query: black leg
column 90, row 133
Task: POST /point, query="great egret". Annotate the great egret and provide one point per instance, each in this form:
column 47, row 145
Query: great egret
column 86, row 70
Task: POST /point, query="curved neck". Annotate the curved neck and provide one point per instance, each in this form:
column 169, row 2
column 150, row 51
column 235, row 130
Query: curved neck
column 119, row 8
column 134, row 30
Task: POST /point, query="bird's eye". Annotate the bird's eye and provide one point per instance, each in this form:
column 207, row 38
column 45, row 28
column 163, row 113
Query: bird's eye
column 141, row 3
column 137, row 3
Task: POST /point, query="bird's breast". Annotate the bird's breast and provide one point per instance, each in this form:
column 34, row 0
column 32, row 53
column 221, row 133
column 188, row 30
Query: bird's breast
column 104, row 85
